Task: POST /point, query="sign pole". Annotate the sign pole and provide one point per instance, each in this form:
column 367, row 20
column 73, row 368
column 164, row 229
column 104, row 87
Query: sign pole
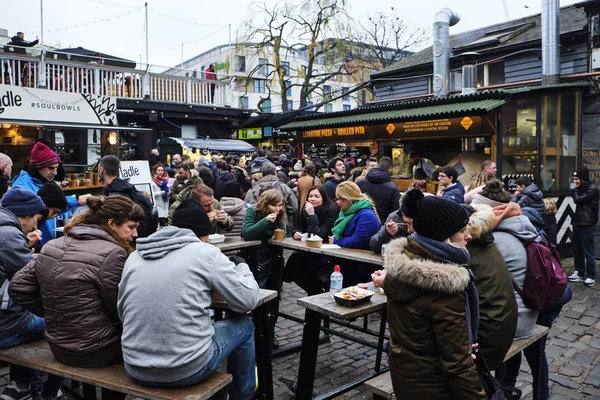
column 42, row 66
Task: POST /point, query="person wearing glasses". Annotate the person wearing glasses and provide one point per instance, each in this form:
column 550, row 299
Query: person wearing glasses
column 453, row 189
column 353, row 228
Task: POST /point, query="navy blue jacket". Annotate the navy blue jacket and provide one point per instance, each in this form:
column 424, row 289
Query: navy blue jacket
column 455, row 192
column 531, row 197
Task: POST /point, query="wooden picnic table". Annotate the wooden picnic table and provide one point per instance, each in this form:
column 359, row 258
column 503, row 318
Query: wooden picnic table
column 365, row 256
column 235, row 243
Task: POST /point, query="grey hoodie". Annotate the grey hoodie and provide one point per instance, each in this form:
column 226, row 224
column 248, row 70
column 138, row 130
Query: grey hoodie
column 509, row 236
column 164, row 299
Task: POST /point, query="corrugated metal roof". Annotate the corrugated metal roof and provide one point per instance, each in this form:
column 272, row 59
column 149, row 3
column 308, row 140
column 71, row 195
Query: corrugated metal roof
column 432, row 111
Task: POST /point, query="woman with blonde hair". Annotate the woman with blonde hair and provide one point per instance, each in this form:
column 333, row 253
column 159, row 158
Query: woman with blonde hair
column 75, row 280
column 260, row 223
column 478, row 181
column 355, row 225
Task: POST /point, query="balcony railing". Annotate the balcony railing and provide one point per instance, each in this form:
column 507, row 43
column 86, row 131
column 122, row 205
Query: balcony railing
column 93, row 78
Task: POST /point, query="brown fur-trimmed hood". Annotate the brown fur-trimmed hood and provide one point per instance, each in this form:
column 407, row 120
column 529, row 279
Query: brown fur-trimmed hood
column 422, row 274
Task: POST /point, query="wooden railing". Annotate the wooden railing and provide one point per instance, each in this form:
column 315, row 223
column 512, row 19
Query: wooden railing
column 77, row 77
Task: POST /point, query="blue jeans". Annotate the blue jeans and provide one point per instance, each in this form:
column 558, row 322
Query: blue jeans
column 32, row 332
column 233, row 340
column 584, row 251
column 532, row 353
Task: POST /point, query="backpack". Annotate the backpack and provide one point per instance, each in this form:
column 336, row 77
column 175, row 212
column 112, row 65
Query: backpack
column 545, row 279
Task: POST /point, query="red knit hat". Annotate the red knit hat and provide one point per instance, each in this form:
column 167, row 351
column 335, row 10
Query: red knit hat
column 43, row 156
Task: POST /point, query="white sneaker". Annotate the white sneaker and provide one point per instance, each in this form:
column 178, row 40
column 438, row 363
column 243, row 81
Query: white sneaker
column 574, row 277
column 589, row 282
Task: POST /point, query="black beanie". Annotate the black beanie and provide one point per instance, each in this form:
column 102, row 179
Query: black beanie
column 191, row 215
column 582, row 173
column 53, row 196
column 433, row 217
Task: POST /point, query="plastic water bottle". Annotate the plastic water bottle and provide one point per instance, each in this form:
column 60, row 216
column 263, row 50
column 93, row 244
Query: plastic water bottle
column 335, row 282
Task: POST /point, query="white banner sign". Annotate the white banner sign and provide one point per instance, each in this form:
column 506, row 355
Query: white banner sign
column 138, row 174
column 40, row 105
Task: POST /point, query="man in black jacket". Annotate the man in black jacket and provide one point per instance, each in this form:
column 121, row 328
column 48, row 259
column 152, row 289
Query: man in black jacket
column 108, row 171
column 378, row 185
column 586, row 198
column 20, row 43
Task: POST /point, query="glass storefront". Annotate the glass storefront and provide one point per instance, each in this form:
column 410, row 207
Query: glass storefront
column 550, row 157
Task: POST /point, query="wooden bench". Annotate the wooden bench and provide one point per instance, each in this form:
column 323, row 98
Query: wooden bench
column 381, row 385
column 37, row 355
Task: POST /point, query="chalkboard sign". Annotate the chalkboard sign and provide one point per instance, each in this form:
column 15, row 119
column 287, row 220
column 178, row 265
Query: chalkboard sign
column 591, row 160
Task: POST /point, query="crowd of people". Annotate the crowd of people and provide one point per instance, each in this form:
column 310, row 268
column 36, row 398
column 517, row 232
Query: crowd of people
column 133, row 281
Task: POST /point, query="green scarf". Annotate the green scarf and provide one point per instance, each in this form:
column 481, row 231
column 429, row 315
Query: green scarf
column 346, row 216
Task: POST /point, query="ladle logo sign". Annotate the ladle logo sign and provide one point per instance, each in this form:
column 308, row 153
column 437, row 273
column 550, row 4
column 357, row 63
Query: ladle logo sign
column 9, row 99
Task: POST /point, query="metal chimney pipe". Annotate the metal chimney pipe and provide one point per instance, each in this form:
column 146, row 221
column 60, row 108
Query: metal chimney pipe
column 441, row 50
column 550, row 42
column 469, row 79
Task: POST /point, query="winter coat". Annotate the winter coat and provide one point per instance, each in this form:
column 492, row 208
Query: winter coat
column 236, row 209
column 356, row 236
column 20, row 44
column 180, row 185
column 509, row 236
column 454, row 192
column 378, row 185
column 73, row 284
column 205, row 174
column 551, row 227
column 272, row 182
column 26, row 181
column 243, row 179
column 383, row 237
column 260, row 258
column 586, row 198
column 498, row 310
column 472, row 193
column 14, row 255
column 430, row 355
column 164, row 302
column 227, row 186
column 331, row 184
column 216, row 226
column 185, row 194
column 162, row 205
column 304, row 185
column 531, row 197
column 121, row 187
column 153, row 160
column 320, row 223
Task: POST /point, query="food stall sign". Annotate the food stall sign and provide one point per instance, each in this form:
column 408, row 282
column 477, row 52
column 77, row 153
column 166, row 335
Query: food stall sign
column 250, row 133
column 40, row 105
column 138, row 174
column 343, row 133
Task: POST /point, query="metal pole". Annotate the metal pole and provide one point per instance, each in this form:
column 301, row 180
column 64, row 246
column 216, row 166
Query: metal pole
column 181, row 55
column 146, row 5
column 42, row 67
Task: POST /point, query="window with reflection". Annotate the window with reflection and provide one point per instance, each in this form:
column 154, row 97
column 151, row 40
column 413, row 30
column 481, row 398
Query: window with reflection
column 519, row 144
column 559, row 138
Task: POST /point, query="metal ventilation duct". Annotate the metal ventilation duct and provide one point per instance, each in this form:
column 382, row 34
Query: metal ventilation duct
column 441, row 49
column 550, row 42
column 469, row 79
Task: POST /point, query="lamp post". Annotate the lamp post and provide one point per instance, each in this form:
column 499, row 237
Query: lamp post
column 42, row 67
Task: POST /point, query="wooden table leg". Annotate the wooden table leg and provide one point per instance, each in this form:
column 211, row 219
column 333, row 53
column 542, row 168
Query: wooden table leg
column 308, row 356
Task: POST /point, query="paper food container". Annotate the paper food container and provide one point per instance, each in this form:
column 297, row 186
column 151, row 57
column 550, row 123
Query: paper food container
column 314, row 243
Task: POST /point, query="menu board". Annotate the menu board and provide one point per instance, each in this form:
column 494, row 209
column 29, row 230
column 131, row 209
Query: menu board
column 591, row 160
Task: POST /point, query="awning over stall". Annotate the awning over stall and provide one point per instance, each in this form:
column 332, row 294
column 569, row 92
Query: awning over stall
column 213, row 144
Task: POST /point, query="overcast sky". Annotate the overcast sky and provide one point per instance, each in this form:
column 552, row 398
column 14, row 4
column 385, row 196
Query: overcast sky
column 117, row 26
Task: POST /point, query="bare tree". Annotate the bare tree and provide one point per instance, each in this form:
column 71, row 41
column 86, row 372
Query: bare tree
column 383, row 38
column 309, row 24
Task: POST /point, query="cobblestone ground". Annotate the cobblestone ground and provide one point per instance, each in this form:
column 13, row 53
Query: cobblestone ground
column 573, row 351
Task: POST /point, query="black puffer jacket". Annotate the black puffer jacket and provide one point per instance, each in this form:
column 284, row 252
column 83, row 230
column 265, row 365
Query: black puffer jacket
column 586, row 197
column 386, row 196
column 320, row 223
